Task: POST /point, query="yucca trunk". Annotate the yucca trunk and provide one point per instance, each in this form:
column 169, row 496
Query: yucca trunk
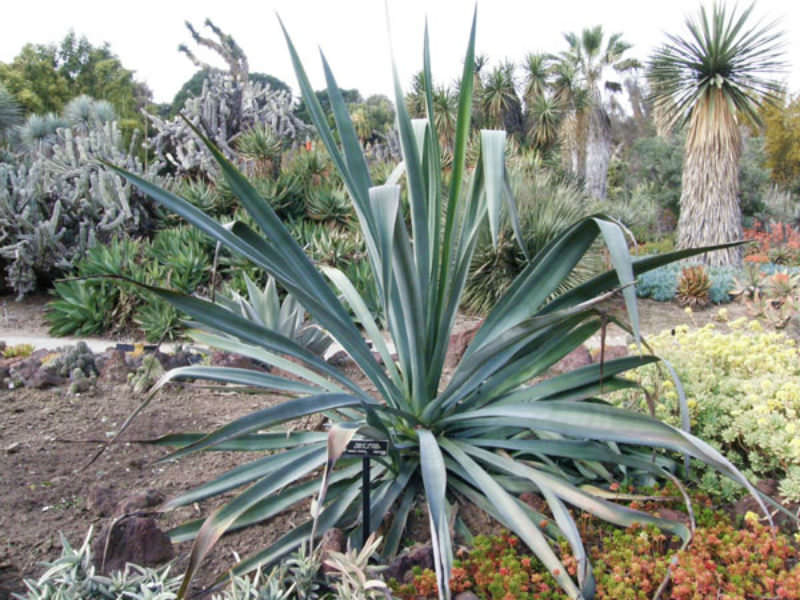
column 598, row 153
column 710, row 210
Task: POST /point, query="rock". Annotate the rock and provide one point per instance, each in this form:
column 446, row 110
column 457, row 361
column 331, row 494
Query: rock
column 419, row 555
column 22, row 370
column 100, row 501
column 673, row 515
column 228, row 359
column 466, row 596
column 10, row 581
column 44, row 378
column 610, row 353
column 332, row 540
column 139, row 501
column 459, row 342
column 340, row 359
column 135, row 540
column 113, row 367
column 769, row 487
column 580, row 357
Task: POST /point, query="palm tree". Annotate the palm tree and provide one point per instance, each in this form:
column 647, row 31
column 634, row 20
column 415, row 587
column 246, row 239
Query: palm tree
column 591, row 58
column 710, row 81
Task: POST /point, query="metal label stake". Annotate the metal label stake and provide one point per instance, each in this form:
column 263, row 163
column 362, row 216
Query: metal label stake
column 366, row 449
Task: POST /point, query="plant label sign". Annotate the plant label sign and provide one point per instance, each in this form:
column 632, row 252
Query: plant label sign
column 367, row 448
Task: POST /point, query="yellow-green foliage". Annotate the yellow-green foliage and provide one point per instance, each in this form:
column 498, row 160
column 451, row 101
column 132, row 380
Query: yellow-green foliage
column 743, row 392
column 20, row 350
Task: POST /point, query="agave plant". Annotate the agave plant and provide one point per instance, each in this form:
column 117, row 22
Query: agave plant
column 488, row 432
column 287, row 317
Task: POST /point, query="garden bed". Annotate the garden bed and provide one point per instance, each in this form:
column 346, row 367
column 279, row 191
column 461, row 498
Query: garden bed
column 49, row 436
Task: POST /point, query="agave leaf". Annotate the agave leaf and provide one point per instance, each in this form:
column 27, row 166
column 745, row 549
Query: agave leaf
column 434, row 478
column 244, row 443
column 512, row 514
column 268, row 417
column 332, row 514
column 221, row 519
column 229, row 344
column 597, row 421
column 240, row 377
column 356, row 302
column 314, row 456
column 274, row 504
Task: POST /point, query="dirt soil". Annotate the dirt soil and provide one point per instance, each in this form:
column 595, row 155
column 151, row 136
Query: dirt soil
column 47, row 438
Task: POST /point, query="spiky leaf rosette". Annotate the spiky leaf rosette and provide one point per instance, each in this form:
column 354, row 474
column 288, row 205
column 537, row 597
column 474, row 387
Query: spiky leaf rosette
column 483, row 435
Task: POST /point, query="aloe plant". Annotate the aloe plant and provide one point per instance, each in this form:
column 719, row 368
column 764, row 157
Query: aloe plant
column 490, row 431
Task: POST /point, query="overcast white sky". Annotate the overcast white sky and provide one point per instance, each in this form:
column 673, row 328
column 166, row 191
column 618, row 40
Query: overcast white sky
column 352, row 33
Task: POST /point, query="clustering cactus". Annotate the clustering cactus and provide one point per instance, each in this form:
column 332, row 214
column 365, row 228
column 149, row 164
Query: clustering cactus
column 57, row 201
column 229, row 105
column 77, row 357
column 225, row 108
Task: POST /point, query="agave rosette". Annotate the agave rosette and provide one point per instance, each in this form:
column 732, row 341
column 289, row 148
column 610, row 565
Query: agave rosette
column 485, row 434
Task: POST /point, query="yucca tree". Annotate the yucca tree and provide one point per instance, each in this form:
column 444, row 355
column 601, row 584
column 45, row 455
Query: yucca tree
column 445, row 114
column 711, row 80
column 542, row 107
column 591, row 56
column 500, row 105
column 482, row 435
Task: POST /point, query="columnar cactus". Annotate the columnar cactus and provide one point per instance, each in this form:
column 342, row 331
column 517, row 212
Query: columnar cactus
column 58, row 200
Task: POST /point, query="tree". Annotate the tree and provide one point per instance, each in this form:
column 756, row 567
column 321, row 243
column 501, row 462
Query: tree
column 9, row 111
column 584, row 66
column 782, row 141
column 710, row 81
column 500, row 105
column 43, row 78
column 543, row 111
column 34, row 80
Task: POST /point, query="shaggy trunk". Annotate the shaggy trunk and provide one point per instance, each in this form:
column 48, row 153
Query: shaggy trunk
column 710, row 210
column 598, row 153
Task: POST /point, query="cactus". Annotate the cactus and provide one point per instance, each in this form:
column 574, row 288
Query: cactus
column 693, row 287
column 57, row 201
column 229, row 105
column 146, row 375
column 224, row 109
column 78, row 357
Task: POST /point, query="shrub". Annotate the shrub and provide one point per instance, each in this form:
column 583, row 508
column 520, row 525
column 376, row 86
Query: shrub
column 743, row 393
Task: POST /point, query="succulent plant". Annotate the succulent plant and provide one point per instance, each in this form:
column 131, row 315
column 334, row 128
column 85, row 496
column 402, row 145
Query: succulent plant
column 225, row 108
column 287, row 317
column 73, row 577
column 146, row 374
column 693, row 287
column 56, row 202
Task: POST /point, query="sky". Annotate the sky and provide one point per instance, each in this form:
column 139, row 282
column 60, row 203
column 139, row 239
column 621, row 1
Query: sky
column 353, row 33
